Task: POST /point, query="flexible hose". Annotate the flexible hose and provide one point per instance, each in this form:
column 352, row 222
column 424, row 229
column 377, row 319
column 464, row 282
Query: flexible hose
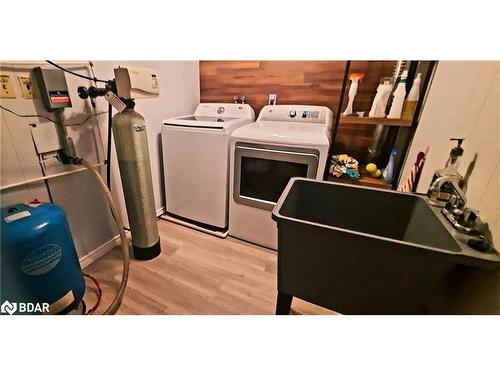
column 116, row 215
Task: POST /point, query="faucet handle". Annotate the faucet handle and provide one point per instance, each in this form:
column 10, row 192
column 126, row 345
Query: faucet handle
column 468, row 218
column 456, row 197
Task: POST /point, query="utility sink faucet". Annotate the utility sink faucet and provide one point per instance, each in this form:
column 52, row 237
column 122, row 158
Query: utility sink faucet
column 446, row 191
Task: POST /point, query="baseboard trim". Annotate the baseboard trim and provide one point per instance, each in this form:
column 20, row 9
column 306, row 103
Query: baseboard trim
column 160, row 211
column 218, row 233
column 97, row 253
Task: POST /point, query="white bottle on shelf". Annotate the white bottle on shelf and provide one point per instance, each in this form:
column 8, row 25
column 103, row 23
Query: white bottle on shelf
column 398, row 97
column 412, row 100
column 379, row 104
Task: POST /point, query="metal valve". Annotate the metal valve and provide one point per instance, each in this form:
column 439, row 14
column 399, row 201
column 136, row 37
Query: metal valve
column 92, row 91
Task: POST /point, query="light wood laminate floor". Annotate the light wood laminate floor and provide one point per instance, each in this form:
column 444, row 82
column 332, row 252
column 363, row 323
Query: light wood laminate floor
column 195, row 274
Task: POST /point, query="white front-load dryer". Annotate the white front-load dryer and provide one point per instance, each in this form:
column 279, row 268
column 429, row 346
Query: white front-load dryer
column 196, row 164
column 286, row 141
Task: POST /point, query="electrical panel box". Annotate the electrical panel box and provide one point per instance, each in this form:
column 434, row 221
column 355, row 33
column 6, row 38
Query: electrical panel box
column 53, row 88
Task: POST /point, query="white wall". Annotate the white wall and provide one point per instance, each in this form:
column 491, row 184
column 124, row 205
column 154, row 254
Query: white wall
column 464, row 101
column 79, row 194
column 179, row 95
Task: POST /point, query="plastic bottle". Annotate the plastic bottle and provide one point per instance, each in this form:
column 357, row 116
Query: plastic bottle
column 389, row 170
column 398, row 97
column 412, row 100
column 451, row 167
column 379, row 104
column 353, row 89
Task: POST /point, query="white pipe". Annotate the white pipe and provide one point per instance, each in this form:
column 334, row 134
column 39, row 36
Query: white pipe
column 38, row 179
column 12, row 64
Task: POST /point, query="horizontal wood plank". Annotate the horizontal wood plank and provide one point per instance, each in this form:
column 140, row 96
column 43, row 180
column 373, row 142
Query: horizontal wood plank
column 375, row 121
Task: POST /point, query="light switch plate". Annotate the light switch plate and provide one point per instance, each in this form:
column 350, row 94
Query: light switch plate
column 26, row 86
column 6, row 87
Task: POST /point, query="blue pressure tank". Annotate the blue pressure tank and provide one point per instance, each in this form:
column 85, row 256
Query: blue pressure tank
column 39, row 263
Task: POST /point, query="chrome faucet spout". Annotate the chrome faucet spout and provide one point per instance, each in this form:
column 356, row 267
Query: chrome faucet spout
column 454, row 195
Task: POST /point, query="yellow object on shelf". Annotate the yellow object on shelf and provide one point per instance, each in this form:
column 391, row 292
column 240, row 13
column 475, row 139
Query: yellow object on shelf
column 371, row 168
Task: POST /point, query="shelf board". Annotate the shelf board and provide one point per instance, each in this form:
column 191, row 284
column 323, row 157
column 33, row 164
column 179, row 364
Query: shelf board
column 375, row 121
column 365, row 180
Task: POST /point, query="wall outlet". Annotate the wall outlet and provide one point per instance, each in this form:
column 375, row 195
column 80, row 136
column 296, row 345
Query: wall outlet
column 6, row 87
column 26, row 86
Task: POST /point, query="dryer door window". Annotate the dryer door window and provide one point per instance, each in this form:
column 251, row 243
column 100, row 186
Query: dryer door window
column 262, row 173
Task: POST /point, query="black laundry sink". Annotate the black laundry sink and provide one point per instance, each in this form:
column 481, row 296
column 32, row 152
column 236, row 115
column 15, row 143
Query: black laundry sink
column 363, row 250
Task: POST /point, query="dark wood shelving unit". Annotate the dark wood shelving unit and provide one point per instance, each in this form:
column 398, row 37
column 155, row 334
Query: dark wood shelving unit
column 401, row 131
column 374, row 121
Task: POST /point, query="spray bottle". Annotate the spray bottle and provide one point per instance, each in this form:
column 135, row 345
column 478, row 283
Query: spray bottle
column 355, row 77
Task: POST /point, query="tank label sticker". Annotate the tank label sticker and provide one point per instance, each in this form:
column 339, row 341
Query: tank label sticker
column 139, row 128
column 16, row 216
column 42, row 260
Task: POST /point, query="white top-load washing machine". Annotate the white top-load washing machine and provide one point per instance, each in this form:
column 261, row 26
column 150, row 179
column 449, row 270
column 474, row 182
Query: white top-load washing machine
column 286, row 141
column 196, row 164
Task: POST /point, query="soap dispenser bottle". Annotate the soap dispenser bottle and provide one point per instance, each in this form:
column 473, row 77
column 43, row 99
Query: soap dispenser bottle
column 451, row 167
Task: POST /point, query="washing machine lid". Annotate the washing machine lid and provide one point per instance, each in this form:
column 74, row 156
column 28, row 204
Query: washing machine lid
column 201, row 122
column 215, row 116
column 280, row 132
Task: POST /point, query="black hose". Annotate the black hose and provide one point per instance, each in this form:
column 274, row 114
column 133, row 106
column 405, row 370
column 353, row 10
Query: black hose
column 108, row 155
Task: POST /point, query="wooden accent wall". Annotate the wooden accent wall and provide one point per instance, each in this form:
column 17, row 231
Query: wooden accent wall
column 297, row 82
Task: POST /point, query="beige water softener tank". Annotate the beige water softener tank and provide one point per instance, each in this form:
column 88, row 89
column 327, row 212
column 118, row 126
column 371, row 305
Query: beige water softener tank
column 131, row 142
